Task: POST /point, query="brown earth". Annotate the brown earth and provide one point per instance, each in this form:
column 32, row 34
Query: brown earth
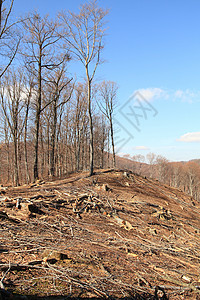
column 112, row 235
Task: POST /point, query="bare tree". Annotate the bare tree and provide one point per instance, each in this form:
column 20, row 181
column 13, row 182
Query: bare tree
column 28, row 97
column 103, row 135
column 151, row 159
column 12, row 103
column 191, row 178
column 59, row 91
column 162, row 168
column 176, row 175
column 9, row 37
column 79, row 121
column 84, row 34
column 139, row 159
column 41, row 57
column 107, row 104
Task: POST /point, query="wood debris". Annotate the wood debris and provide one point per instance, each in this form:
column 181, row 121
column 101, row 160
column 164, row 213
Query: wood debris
column 139, row 240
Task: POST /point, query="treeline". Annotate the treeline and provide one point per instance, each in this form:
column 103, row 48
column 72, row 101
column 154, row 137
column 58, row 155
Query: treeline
column 181, row 175
column 51, row 122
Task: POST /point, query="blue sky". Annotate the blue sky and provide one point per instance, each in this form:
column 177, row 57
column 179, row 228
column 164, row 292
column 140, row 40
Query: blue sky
column 152, row 47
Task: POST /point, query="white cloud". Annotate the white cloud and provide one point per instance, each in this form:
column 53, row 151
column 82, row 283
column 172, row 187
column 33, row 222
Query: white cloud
column 154, row 93
column 179, row 93
column 150, row 94
column 186, row 95
column 141, row 148
column 190, row 137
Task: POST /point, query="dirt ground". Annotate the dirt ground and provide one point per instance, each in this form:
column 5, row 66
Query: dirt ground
column 113, row 235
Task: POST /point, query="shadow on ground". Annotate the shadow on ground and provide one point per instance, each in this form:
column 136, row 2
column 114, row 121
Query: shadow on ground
column 6, row 295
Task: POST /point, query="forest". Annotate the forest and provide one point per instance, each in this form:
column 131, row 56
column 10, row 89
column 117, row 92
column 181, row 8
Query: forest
column 51, row 123
column 54, row 121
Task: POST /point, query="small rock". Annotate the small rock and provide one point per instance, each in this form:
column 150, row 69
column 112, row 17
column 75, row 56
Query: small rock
column 31, row 208
column 51, row 254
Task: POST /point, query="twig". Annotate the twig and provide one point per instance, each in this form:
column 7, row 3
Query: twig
column 80, row 283
column 71, row 229
column 4, row 276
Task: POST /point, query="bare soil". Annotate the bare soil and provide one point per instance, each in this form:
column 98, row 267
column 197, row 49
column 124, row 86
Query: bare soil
column 113, row 235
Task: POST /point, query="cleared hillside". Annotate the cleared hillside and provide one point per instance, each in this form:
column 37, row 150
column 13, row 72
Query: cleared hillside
column 115, row 234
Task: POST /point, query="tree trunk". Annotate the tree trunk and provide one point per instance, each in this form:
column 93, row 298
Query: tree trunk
column 20, row 175
column 8, row 155
column 16, row 175
column 108, row 156
column 36, row 146
column 37, row 120
column 42, row 155
column 48, row 147
column 91, row 159
column 52, row 140
column 25, row 154
column 15, row 140
column 112, row 140
column 78, row 148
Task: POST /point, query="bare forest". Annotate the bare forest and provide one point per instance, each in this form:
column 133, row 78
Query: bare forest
column 53, row 124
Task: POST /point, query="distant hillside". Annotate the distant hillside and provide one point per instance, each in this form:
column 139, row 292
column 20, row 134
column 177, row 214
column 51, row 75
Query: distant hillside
column 184, row 175
column 196, row 161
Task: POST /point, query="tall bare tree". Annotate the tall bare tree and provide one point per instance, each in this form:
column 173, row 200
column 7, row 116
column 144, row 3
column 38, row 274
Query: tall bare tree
column 107, row 104
column 41, row 57
column 59, row 91
column 79, row 120
column 29, row 91
column 84, row 34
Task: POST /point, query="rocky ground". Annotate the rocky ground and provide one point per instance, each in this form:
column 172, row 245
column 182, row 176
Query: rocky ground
column 113, row 235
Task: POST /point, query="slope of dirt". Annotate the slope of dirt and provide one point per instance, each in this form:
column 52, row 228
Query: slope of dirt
column 115, row 234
